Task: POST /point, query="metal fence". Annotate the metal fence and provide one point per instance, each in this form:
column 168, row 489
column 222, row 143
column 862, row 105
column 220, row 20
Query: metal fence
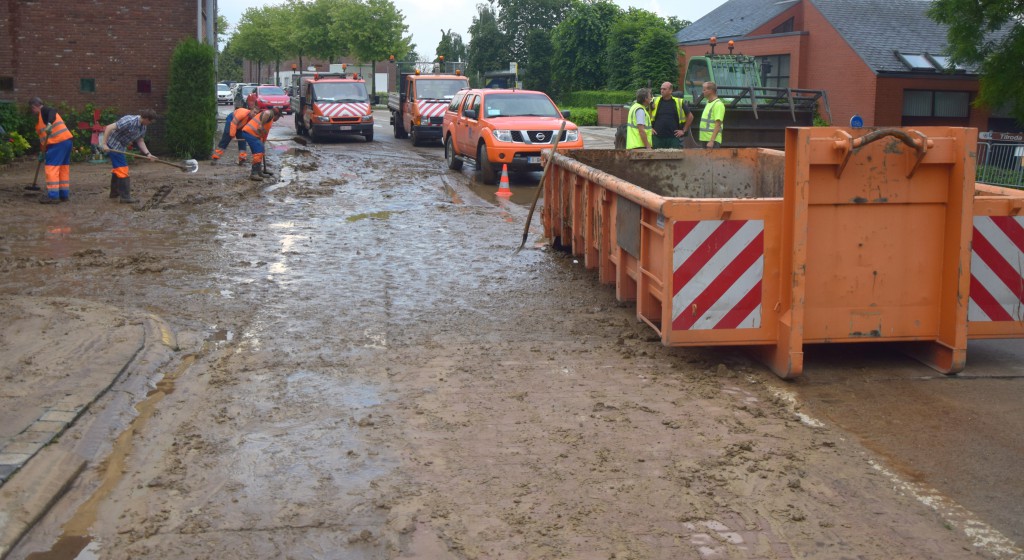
column 1001, row 163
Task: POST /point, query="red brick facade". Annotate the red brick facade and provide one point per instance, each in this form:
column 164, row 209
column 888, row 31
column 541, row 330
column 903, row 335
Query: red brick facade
column 820, row 58
column 48, row 48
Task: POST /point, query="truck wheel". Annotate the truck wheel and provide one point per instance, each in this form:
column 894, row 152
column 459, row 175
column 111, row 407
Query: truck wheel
column 298, row 125
column 488, row 175
column 369, row 136
column 453, row 161
column 414, row 137
column 399, row 128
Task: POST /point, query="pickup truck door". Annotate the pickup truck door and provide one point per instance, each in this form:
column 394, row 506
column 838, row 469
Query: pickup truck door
column 409, row 105
column 465, row 128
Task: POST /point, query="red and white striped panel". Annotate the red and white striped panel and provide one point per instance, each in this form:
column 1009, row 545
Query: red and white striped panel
column 997, row 269
column 717, row 270
column 429, row 109
column 339, row 110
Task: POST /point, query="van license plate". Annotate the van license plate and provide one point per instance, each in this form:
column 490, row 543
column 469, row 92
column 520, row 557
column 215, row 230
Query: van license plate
column 533, row 159
column 344, row 127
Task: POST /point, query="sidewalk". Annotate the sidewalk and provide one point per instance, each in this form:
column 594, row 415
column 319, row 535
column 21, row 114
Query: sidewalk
column 598, row 137
column 57, row 358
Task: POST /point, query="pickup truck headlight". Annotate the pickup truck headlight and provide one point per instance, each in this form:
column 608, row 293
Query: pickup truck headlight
column 572, row 135
column 322, row 118
column 367, row 118
column 502, row 135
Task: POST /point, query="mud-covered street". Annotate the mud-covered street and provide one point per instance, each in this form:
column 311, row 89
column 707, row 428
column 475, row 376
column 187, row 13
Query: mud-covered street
column 349, row 361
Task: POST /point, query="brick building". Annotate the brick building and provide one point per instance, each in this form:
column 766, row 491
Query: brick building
column 880, row 59
column 109, row 54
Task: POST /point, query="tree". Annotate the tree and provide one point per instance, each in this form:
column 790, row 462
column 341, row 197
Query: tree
column 536, row 72
column 579, row 44
column 451, row 47
column 656, row 59
column 191, row 100
column 254, row 41
column 381, row 32
column 623, row 41
column 516, row 18
column 486, row 43
column 989, row 35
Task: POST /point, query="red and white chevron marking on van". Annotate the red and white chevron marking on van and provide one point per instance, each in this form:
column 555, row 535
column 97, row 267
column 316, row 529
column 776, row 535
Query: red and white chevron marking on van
column 717, row 270
column 997, row 269
column 429, row 109
column 340, row 110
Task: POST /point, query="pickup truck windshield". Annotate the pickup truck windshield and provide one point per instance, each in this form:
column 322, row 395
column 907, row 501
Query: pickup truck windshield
column 340, row 92
column 519, row 105
column 439, row 89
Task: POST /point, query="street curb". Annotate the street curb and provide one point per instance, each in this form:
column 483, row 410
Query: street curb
column 49, row 471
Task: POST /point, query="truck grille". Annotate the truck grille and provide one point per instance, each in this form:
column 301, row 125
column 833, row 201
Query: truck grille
column 534, row 136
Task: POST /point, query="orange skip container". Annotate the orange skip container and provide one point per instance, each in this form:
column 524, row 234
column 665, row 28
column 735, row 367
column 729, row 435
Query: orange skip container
column 848, row 236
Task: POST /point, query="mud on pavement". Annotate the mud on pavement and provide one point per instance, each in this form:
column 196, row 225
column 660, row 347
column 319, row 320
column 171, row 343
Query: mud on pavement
column 364, row 370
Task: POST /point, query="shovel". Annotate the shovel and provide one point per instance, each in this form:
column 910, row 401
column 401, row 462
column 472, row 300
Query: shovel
column 35, row 180
column 188, row 166
column 540, row 187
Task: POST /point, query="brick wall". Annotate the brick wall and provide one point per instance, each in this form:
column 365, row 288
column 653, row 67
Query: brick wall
column 49, row 47
column 889, row 104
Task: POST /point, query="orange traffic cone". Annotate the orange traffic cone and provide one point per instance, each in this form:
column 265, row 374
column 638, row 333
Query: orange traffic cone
column 503, row 189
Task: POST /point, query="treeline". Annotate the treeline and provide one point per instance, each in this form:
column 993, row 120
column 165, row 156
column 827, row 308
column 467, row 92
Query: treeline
column 560, row 45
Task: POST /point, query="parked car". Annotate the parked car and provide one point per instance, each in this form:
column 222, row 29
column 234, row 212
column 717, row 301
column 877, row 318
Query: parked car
column 491, row 127
column 267, row 97
column 242, row 92
column 223, row 94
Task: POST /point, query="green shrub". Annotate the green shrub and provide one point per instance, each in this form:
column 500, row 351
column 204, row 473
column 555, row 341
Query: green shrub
column 17, row 118
column 599, row 97
column 191, row 101
column 582, row 116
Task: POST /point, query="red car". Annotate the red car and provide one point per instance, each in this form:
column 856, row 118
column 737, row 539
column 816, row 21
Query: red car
column 266, row 97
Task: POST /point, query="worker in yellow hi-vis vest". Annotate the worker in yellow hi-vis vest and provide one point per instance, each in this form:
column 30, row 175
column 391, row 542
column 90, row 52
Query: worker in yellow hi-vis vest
column 711, row 119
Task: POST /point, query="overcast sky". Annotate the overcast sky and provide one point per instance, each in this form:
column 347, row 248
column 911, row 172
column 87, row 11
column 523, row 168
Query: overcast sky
column 426, row 18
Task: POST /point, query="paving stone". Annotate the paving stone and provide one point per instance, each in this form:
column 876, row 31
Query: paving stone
column 23, row 448
column 15, row 459
column 52, row 427
column 58, row 416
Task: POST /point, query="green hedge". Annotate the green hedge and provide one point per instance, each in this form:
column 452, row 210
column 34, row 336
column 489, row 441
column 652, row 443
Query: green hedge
column 19, row 119
column 599, row 97
column 192, row 101
column 582, row 116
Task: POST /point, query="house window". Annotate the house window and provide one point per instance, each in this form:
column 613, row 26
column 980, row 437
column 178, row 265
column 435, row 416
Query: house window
column 775, row 71
column 784, row 27
column 87, row 85
column 6, row 83
column 143, row 86
column 947, row 104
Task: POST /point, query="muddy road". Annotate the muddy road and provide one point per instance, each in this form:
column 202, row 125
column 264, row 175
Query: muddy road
column 362, row 369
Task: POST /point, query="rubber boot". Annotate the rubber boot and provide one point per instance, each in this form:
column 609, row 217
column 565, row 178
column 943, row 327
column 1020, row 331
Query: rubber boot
column 125, row 189
column 51, row 196
column 255, row 174
column 65, row 195
column 113, row 186
column 241, row 159
column 265, row 171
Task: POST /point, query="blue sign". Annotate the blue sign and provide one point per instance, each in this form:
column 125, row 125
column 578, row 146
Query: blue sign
column 856, row 122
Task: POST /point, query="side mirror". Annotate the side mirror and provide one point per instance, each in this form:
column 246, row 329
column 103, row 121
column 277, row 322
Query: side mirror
column 565, row 114
column 469, row 113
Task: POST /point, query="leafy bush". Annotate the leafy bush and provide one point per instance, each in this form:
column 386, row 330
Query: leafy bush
column 593, row 98
column 582, row 116
column 192, row 101
column 995, row 175
column 17, row 118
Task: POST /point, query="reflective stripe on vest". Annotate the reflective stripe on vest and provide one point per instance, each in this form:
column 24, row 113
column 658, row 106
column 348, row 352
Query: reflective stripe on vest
column 58, row 133
column 633, row 133
column 256, row 128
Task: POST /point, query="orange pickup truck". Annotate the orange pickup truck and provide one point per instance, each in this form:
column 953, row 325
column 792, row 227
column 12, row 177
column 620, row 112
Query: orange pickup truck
column 491, row 127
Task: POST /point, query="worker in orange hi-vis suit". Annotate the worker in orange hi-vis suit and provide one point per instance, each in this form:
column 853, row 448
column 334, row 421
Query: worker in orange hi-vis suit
column 255, row 133
column 232, row 126
column 55, row 145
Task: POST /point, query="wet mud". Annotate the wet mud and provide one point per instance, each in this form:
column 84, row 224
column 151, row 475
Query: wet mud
column 363, row 369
